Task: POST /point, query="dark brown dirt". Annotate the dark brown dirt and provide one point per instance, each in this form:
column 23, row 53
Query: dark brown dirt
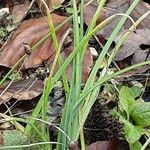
column 101, row 126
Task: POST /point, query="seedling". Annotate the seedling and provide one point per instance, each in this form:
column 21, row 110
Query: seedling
column 135, row 115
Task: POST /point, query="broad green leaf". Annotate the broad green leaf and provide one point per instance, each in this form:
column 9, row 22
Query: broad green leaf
column 135, row 146
column 14, row 137
column 127, row 99
column 17, row 138
column 132, row 133
column 136, row 90
column 141, row 114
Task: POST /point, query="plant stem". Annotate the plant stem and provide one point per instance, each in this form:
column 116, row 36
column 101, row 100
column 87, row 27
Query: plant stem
column 145, row 144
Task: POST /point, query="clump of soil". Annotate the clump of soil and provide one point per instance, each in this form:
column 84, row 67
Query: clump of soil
column 101, row 126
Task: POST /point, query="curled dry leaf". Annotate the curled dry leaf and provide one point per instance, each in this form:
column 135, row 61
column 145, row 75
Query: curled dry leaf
column 23, row 90
column 30, row 32
column 137, row 43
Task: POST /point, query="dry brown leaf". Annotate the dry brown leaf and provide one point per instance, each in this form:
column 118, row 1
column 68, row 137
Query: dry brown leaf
column 50, row 3
column 30, row 32
column 18, row 11
column 89, row 13
column 103, row 145
column 87, row 63
column 140, row 56
column 112, row 7
column 23, row 90
column 135, row 44
column 6, row 126
column 117, row 6
column 140, row 10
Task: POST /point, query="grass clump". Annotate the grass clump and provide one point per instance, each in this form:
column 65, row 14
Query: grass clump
column 78, row 100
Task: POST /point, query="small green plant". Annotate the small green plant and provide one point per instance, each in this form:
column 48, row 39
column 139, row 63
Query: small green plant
column 135, row 115
column 3, row 32
column 78, row 101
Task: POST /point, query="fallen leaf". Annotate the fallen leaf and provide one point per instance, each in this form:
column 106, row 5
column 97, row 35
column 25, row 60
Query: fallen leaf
column 137, row 43
column 50, row 3
column 90, row 11
column 87, row 63
column 132, row 46
column 140, row 56
column 30, row 32
column 103, row 145
column 141, row 8
column 5, row 126
column 19, row 10
column 22, row 90
column 113, row 7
